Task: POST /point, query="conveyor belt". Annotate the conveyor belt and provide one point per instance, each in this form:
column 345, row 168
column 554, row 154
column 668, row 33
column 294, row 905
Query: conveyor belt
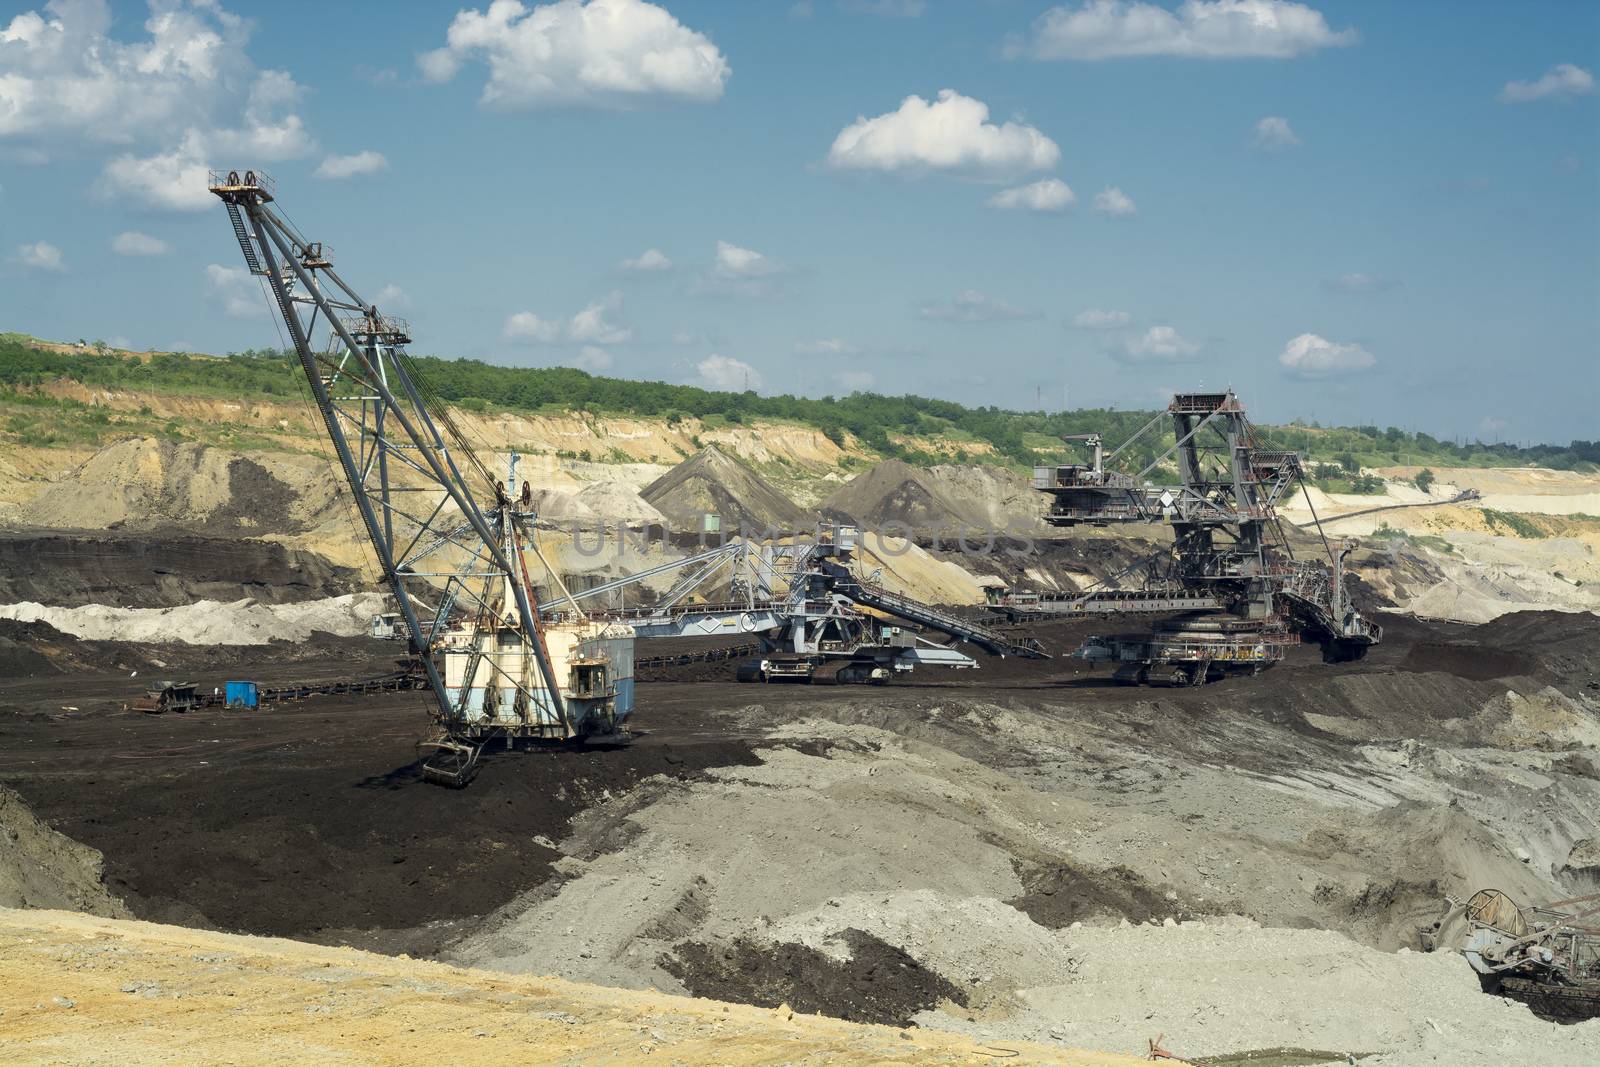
column 872, row 595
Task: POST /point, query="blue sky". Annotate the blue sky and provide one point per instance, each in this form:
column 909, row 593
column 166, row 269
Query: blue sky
column 1354, row 212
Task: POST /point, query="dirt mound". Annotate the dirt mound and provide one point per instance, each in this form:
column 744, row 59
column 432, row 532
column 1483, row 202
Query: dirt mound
column 556, row 508
column 617, row 502
column 712, row 482
column 149, row 482
column 942, row 497
column 72, row 570
column 40, row 868
column 1466, row 660
column 1061, row 894
column 208, row 622
column 875, row 983
column 138, row 995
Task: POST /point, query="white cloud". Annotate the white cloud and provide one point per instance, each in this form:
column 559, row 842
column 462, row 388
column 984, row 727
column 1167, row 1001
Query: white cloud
column 972, row 306
column 526, row 326
column 738, row 271
column 892, row 9
column 1208, row 29
column 170, row 181
column 1359, row 283
column 857, row 380
column 41, row 255
column 185, row 90
column 726, row 374
column 1050, row 194
column 735, row 262
column 231, row 287
column 684, row 337
column 1562, row 82
column 1310, row 356
column 828, row 347
column 651, row 259
column 1273, row 134
column 352, row 166
column 952, row 133
column 393, row 298
column 605, row 53
column 134, row 243
column 1095, row 319
column 593, row 359
column 589, row 326
column 266, row 130
column 1158, row 344
column 1115, row 203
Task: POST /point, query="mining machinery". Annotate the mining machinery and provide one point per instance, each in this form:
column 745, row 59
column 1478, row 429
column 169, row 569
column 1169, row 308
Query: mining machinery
column 815, row 619
column 1237, row 597
column 450, row 540
column 1547, row 957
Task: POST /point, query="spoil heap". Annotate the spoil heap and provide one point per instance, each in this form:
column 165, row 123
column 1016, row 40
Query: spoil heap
column 145, row 483
column 712, row 482
column 616, row 502
column 40, row 868
column 945, row 497
column 138, row 993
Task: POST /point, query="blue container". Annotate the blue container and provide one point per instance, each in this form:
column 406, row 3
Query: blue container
column 242, row 695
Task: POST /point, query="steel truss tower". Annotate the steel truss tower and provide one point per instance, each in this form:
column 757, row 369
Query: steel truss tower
column 414, row 481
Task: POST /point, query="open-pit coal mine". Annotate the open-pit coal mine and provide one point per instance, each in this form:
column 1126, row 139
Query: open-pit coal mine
column 1018, row 851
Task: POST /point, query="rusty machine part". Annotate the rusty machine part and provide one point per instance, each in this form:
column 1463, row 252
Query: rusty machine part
column 1546, row 957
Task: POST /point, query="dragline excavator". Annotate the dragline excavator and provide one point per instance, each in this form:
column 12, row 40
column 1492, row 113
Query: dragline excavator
column 450, row 539
column 1237, row 597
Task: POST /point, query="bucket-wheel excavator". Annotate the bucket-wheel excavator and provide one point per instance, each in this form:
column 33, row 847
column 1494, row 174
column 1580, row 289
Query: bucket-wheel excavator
column 450, row 540
column 803, row 604
column 1237, row 596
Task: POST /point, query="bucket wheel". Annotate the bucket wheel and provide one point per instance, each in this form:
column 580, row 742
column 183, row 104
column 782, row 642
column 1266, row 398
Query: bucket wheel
column 1490, row 907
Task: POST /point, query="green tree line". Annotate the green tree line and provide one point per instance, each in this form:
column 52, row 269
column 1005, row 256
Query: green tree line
column 874, row 418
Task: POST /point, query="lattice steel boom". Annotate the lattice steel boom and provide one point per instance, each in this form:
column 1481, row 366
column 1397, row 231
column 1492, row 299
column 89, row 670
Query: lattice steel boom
column 455, row 567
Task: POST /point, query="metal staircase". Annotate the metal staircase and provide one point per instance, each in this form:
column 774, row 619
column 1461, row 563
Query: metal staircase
column 246, row 245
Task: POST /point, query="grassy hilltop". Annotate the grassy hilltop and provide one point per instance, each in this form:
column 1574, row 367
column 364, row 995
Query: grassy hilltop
column 912, row 428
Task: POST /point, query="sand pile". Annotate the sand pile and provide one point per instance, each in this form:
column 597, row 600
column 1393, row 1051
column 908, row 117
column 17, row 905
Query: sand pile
column 1473, row 592
column 871, row 841
column 1217, row 987
column 943, row 497
column 139, row 994
column 555, row 507
column 904, row 567
column 618, row 502
column 40, row 868
column 712, row 482
column 144, row 482
column 209, row 622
